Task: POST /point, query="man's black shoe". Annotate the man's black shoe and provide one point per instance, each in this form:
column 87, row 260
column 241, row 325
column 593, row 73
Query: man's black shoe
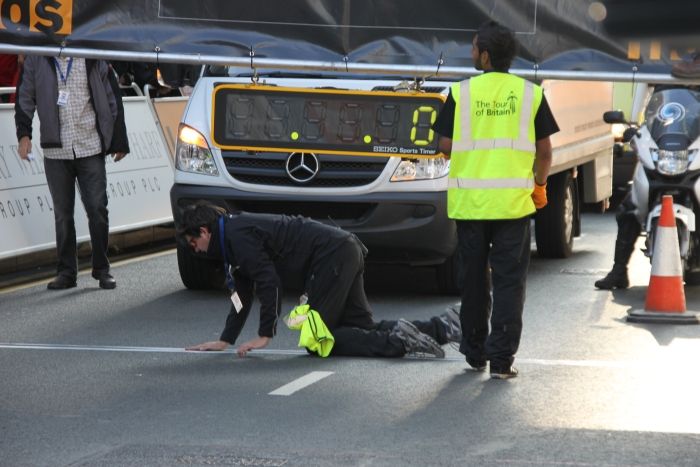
column 476, row 365
column 616, row 279
column 503, row 373
column 61, row 282
column 106, row 280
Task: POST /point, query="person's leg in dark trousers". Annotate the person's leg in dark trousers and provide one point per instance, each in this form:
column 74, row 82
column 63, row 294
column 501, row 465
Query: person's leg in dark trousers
column 60, row 177
column 509, row 260
column 337, row 292
column 473, row 242
column 357, row 342
column 334, row 277
column 92, row 181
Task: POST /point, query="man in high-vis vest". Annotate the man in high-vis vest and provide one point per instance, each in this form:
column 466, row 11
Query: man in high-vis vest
column 495, row 128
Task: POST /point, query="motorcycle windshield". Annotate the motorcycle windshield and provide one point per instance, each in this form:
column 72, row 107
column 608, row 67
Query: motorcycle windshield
column 674, row 112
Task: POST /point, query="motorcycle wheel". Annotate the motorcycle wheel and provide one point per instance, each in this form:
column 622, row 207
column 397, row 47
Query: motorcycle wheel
column 692, row 278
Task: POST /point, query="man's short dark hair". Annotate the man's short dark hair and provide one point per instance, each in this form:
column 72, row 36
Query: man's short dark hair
column 195, row 216
column 499, row 42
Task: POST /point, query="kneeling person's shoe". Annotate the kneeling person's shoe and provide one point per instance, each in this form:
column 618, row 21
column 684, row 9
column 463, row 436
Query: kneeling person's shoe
column 105, row 279
column 61, row 282
column 416, row 342
column 453, row 327
column 507, row 372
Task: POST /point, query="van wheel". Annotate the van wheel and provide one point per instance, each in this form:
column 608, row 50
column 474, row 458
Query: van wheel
column 555, row 224
column 448, row 275
column 198, row 273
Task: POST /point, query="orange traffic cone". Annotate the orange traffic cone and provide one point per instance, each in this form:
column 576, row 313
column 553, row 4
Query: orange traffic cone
column 665, row 302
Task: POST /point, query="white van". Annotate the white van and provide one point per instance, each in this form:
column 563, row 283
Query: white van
column 358, row 152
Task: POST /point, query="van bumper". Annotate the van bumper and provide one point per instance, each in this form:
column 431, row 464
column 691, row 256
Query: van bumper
column 401, row 228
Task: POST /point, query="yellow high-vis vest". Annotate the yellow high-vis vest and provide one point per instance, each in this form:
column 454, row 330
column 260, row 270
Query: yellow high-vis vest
column 493, row 148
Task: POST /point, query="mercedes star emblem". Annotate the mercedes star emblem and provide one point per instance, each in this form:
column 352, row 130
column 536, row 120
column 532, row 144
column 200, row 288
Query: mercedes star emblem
column 302, row 167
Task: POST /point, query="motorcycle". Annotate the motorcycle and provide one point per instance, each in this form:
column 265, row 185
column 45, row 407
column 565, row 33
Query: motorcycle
column 666, row 145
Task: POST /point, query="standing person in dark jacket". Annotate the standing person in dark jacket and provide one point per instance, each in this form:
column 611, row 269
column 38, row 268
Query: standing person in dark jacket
column 82, row 120
column 265, row 251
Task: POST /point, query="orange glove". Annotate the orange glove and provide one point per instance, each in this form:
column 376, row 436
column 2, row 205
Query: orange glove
column 539, row 195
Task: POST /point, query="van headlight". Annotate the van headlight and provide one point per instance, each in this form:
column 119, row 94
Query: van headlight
column 421, row 169
column 673, row 162
column 192, row 153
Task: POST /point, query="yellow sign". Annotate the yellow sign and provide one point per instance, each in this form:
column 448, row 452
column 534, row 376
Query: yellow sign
column 42, row 16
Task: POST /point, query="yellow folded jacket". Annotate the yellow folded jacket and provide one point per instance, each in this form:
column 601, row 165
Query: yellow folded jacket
column 314, row 335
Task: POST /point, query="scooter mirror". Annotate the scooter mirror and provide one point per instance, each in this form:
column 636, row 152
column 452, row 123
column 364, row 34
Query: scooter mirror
column 628, row 134
column 614, row 116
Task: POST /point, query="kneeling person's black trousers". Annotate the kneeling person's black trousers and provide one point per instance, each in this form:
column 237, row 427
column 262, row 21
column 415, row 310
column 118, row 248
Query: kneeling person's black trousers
column 337, row 292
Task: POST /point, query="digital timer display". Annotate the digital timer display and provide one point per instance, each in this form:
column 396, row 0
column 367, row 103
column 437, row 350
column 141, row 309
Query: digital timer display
column 330, row 121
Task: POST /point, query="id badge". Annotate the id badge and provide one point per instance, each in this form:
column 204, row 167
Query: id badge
column 62, row 98
column 236, row 300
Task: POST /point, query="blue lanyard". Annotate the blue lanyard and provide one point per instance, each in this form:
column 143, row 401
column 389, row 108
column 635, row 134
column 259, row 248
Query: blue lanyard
column 60, row 73
column 227, row 267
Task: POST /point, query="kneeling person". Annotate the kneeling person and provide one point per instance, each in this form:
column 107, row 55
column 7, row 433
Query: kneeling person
column 263, row 252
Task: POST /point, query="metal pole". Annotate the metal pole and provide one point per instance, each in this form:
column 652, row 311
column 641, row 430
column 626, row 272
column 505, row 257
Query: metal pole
column 340, row 67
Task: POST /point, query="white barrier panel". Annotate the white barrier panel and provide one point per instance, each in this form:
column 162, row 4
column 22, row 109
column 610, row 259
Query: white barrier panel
column 138, row 186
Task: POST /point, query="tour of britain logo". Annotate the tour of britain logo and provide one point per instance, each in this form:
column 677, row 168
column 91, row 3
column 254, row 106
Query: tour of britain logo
column 505, row 107
column 53, row 17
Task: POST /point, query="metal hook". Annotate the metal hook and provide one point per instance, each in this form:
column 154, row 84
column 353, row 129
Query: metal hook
column 345, row 59
column 254, row 77
column 635, row 68
column 60, row 50
column 440, row 62
column 157, row 51
column 536, row 66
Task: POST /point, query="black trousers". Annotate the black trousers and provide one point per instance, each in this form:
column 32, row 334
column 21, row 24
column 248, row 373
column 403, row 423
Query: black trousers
column 496, row 256
column 90, row 173
column 336, row 291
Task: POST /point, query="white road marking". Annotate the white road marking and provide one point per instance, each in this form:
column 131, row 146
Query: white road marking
column 300, row 383
column 291, row 352
column 118, row 348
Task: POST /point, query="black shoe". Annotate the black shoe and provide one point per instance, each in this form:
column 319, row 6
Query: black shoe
column 106, row 280
column 503, row 373
column 416, row 342
column 614, row 280
column 61, row 282
column 476, row 365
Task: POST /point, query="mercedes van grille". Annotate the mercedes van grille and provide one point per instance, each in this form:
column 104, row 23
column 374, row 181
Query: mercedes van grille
column 334, row 171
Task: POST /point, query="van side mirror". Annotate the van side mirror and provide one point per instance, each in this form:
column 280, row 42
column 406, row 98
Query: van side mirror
column 614, row 116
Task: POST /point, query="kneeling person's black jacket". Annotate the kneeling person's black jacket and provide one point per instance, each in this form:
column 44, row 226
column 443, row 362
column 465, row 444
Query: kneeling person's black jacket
column 267, row 251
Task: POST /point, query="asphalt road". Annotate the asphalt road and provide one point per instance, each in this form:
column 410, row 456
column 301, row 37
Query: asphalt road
column 98, row 378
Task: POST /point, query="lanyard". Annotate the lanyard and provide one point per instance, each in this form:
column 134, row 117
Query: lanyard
column 60, row 73
column 227, row 267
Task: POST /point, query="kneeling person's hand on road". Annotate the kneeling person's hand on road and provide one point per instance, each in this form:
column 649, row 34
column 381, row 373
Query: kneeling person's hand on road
column 213, row 345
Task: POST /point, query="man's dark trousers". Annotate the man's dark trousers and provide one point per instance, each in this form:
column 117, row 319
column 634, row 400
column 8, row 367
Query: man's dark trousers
column 494, row 253
column 337, row 292
column 91, row 176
